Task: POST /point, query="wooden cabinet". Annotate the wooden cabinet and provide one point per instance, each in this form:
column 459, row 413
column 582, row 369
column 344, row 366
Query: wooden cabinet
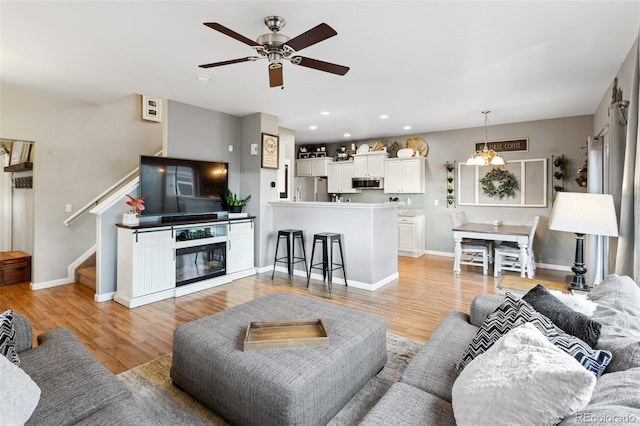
column 369, row 164
column 339, row 175
column 404, row 175
column 240, row 247
column 146, row 265
column 411, row 235
column 15, row 267
column 312, row 166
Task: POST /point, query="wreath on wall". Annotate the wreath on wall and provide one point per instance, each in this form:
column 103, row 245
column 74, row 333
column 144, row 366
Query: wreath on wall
column 507, row 184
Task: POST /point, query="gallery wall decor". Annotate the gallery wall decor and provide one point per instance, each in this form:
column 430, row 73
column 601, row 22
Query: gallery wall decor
column 151, row 109
column 270, row 146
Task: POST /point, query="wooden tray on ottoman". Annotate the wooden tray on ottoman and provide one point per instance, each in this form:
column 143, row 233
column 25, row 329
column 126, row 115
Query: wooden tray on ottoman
column 292, row 334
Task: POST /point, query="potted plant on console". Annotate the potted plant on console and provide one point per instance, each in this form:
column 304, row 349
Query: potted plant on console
column 236, row 204
column 132, row 218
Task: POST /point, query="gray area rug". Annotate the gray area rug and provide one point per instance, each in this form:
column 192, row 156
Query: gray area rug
column 167, row 405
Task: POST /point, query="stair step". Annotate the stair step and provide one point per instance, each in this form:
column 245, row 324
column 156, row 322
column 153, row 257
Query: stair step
column 87, row 276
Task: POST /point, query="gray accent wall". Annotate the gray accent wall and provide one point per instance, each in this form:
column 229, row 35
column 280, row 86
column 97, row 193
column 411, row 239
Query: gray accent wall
column 546, row 138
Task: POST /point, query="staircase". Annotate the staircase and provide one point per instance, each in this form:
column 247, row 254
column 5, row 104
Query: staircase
column 85, row 273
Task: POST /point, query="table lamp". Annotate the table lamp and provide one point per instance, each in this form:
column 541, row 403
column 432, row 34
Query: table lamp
column 583, row 213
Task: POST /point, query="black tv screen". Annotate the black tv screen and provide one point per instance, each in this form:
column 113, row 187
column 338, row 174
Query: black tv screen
column 178, row 187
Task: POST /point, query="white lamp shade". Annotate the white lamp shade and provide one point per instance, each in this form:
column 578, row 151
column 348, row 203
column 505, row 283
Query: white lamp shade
column 584, row 213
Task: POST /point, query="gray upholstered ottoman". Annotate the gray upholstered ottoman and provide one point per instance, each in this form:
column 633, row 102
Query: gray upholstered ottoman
column 278, row 387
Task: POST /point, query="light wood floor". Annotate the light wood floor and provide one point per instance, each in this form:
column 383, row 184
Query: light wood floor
column 121, row 338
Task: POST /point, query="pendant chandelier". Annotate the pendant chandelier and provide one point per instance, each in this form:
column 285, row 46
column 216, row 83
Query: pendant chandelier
column 485, row 156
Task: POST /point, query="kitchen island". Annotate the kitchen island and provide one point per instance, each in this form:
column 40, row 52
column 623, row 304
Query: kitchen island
column 369, row 238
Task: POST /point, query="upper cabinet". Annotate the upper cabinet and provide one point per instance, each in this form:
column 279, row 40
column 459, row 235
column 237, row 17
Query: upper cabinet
column 312, row 166
column 404, row 175
column 339, row 177
column 369, row 164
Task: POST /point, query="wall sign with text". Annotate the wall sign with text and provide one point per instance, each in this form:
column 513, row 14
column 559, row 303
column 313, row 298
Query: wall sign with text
column 506, row 145
column 269, row 151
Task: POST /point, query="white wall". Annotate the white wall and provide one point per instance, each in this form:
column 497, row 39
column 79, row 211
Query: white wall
column 81, row 149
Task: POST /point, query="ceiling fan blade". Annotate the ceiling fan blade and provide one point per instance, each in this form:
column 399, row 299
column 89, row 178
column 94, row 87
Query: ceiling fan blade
column 319, row 65
column 226, row 31
column 229, row 62
column 311, row 37
column 275, row 76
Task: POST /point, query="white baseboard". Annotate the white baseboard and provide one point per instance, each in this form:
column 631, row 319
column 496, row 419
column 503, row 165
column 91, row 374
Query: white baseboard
column 104, row 297
column 52, row 283
column 340, row 280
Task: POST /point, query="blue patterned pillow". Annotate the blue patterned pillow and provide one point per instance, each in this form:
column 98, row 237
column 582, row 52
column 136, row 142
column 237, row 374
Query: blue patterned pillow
column 512, row 313
column 7, row 337
column 593, row 360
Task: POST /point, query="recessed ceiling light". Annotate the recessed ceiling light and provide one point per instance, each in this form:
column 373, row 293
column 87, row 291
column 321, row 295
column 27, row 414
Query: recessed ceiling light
column 313, row 127
column 202, row 77
column 384, row 116
column 347, row 135
column 325, row 113
column 407, row 127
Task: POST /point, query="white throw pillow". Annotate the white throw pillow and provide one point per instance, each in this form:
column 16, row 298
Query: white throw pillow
column 19, row 394
column 522, row 379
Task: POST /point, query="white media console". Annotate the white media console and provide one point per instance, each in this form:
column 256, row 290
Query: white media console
column 160, row 261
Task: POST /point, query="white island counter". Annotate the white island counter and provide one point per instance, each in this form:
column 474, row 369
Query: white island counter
column 369, row 238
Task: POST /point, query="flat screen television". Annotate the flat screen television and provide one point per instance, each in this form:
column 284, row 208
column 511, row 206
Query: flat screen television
column 176, row 187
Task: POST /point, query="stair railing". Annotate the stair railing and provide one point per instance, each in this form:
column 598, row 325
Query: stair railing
column 106, row 192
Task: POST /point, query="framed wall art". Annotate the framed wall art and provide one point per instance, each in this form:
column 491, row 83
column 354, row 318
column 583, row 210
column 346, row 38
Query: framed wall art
column 270, row 146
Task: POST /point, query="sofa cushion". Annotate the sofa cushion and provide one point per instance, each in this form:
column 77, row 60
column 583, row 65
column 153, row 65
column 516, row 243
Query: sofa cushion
column 19, row 394
column 512, row 313
column 404, row 405
column 567, row 319
column 615, row 400
column 433, row 369
column 74, row 384
column 7, row 337
column 521, row 379
column 618, row 299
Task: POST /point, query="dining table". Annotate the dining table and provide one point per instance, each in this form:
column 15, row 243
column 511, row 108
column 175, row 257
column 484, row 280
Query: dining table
column 488, row 231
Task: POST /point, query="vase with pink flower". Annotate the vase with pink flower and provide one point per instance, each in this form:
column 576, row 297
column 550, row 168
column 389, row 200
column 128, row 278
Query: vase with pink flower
column 132, row 217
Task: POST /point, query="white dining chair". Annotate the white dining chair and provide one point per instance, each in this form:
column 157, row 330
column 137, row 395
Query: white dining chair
column 507, row 255
column 474, row 252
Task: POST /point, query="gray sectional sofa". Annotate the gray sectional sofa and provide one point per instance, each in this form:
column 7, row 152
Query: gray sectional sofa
column 75, row 388
column 423, row 395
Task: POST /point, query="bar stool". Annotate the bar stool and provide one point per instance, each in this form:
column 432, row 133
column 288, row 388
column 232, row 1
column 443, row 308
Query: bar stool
column 290, row 235
column 327, row 239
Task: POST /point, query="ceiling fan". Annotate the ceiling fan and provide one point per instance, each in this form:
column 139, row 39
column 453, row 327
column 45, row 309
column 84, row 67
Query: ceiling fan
column 277, row 47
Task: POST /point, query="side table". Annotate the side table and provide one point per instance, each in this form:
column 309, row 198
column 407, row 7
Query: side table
column 15, row 267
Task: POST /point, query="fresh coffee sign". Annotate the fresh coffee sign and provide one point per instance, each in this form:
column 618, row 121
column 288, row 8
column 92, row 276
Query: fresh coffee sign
column 510, row 145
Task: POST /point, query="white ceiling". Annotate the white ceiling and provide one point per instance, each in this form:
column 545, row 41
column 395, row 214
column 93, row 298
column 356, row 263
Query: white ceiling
column 434, row 65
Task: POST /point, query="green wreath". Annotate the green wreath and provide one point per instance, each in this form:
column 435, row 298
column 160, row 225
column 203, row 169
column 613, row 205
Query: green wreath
column 507, row 187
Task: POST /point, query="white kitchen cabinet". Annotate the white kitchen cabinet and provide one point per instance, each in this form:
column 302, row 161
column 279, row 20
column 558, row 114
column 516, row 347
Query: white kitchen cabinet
column 339, row 175
column 370, row 164
column 312, row 166
column 404, row 175
column 146, row 265
column 410, row 235
column 240, row 246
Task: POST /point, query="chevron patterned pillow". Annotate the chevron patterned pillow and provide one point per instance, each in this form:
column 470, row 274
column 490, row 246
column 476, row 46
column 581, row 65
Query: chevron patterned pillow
column 593, row 360
column 7, row 337
column 512, row 313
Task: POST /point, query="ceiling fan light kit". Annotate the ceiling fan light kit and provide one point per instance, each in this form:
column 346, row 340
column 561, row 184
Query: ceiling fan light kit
column 276, row 47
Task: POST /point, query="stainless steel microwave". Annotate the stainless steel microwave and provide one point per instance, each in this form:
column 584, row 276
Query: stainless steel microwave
column 367, row 182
